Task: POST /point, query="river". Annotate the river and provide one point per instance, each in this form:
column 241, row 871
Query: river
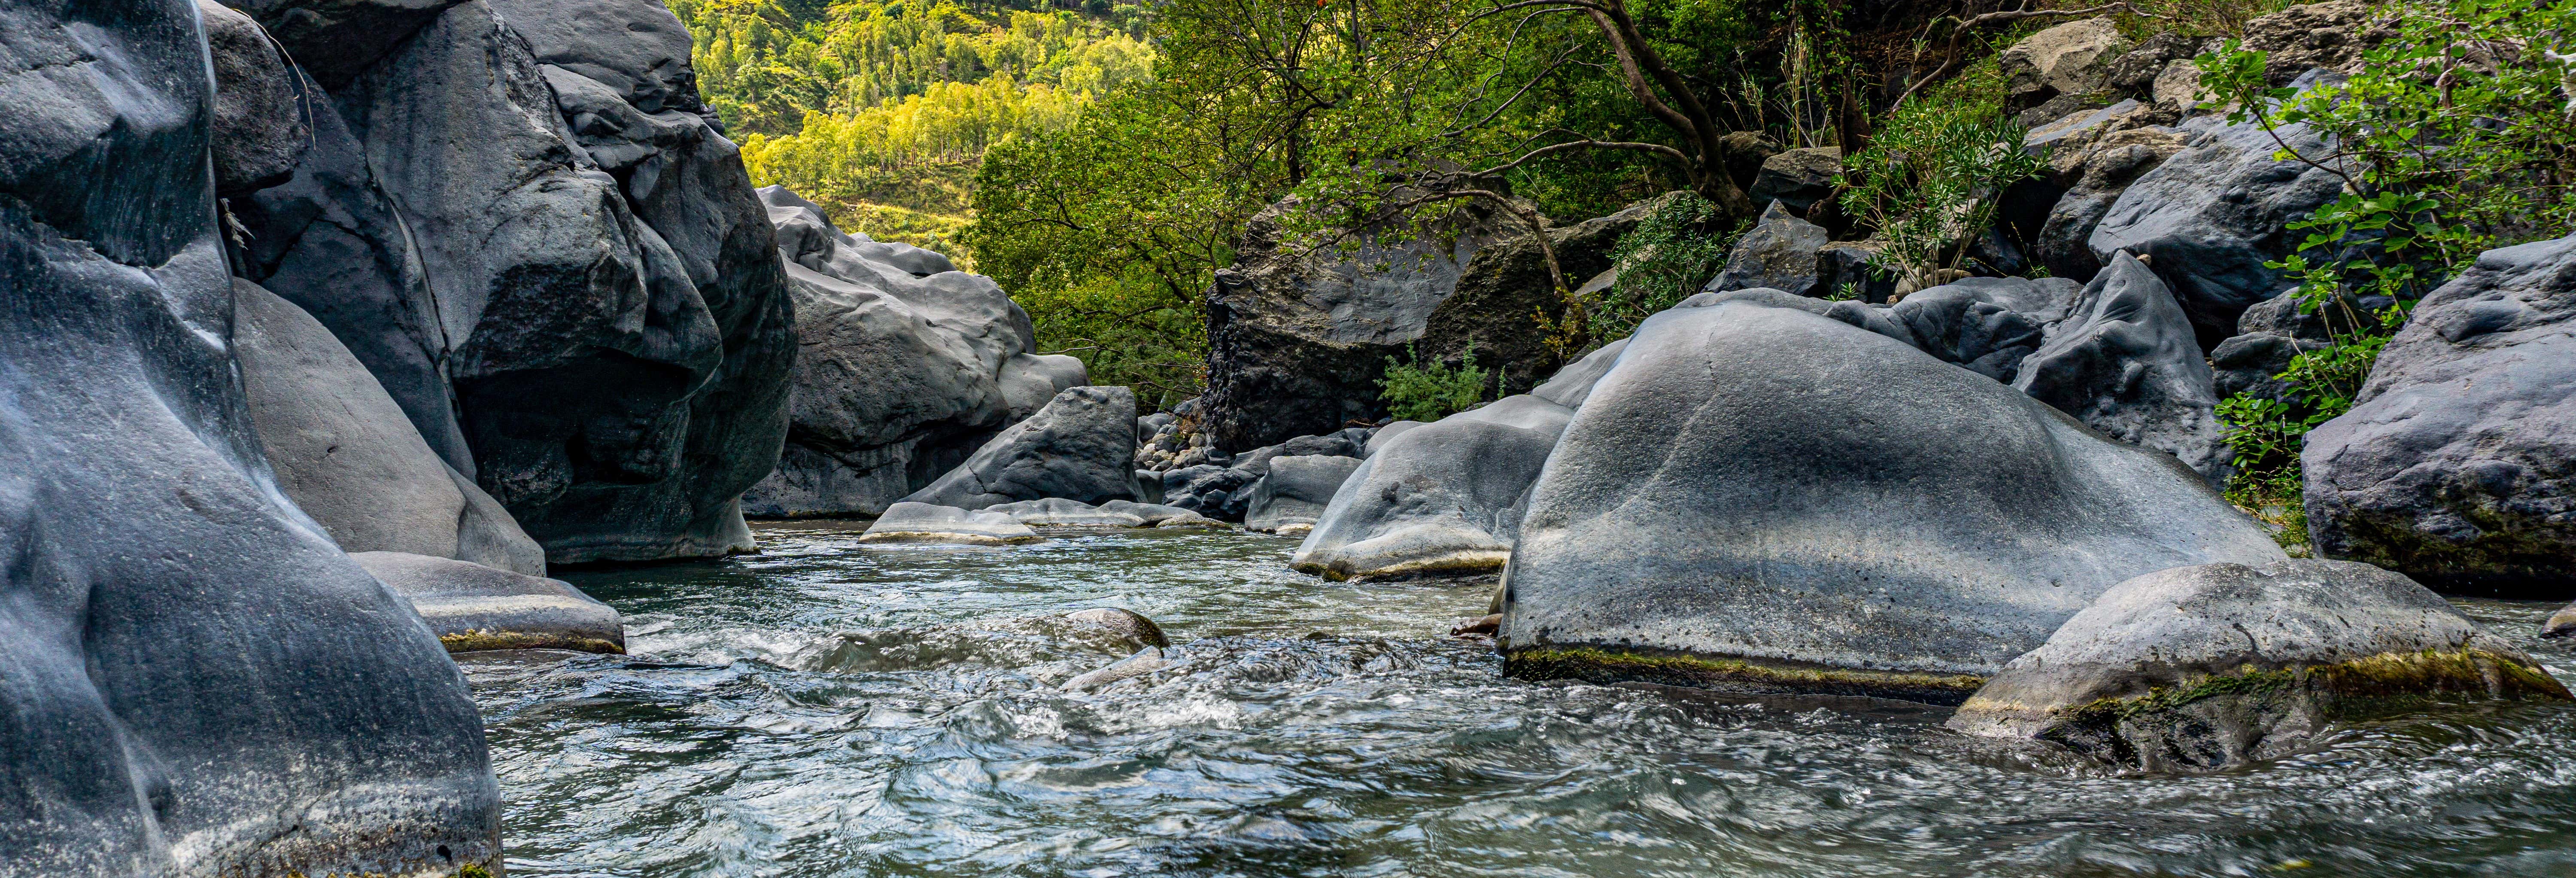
column 825, row 708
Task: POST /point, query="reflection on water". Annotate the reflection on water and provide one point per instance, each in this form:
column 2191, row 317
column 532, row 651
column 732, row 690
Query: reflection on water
column 828, row 709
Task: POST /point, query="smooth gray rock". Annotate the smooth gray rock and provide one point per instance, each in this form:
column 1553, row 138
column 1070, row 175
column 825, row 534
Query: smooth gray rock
column 900, row 376
column 1798, row 178
column 1387, row 434
column 2269, row 334
column 1573, row 384
column 2457, row 465
column 2125, row 362
column 909, row 522
column 1760, row 496
column 1441, row 500
column 198, row 682
column 338, row 39
column 2209, row 217
column 2094, row 172
column 635, row 47
column 2561, row 623
column 1976, row 324
column 1152, row 514
column 1779, row 252
column 347, row 456
column 2075, row 127
column 1060, row 512
column 1295, row 492
column 1076, row 448
column 260, row 128
column 473, row 608
column 2068, row 59
column 2207, row 667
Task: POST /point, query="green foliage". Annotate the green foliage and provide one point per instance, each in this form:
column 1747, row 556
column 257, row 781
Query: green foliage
column 1419, row 391
column 2454, row 139
column 1665, row 259
column 1933, row 171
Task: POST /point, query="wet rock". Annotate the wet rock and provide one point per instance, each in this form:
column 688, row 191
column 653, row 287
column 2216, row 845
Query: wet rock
column 909, row 522
column 1798, row 178
column 2454, row 464
column 198, row 681
column 2211, row 216
column 901, row 376
column 338, row 39
column 347, row 456
column 1294, row 494
column 2074, row 58
column 1126, row 623
column 2561, row 623
column 1059, row 512
column 2096, row 171
column 260, row 128
column 1145, row 661
column 1763, row 497
column 1151, row 514
column 1779, row 252
column 2206, row 667
column 2330, row 35
column 1076, row 448
column 2125, row 362
column 473, row 608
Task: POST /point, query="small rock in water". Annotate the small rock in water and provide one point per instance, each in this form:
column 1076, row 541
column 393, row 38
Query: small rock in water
column 1154, row 514
column 2561, row 623
column 474, row 608
column 1481, row 626
column 925, row 523
column 1145, row 661
column 1060, row 512
column 1129, row 624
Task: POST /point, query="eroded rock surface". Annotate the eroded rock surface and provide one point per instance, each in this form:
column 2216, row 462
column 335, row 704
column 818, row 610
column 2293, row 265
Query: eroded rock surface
column 1077, row 447
column 2069, row 59
column 2208, row 218
column 473, row 608
column 2125, row 362
column 1780, row 253
column 1295, row 492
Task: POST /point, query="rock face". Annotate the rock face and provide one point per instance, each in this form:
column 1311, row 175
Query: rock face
column 2201, row 668
column 2210, row 216
column 199, row 682
column 2070, row 59
column 473, row 608
column 907, row 366
column 2094, row 171
column 1797, row 178
column 1077, row 448
column 1293, row 495
column 2453, row 466
column 2125, row 362
column 260, row 131
column 1299, row 336
column 1780, row 253
column 348, row 457
column 338, row 39
column 924, row 523
column 2268, row 336
column 1759, row 496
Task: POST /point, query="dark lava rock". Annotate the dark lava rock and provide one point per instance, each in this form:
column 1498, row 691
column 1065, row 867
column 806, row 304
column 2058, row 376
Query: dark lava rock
column 1077, row 448
column 1780, row 253
column 198, row 682
column 2206, row 667
column 473, row 608
column 1294, row 493
column 339, row 39
column 1798, row 178
column 2458, row 464
column 2125, row 362
column 636, row 48
column 1761, row 497
column 2095, row 171
column 260, row 127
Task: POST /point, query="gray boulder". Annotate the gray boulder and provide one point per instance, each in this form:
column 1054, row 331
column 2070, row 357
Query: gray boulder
column 1387, row 434
column 1060, row 512
column 1151, row 514
column 2136, row 73
column 2069, row 59
column 1986, row 325
column 2561, row 623
column 1780, row 253
column 2208, row 218
column 473, row 608
column 260, row 129
column 634, row 47
column 906, row 368
column 199, row 682
column 2271, row 333
column 1295, row 492
column 2454, row 465
column 348, row 457
column 910, row 522
column 1077, row 448
column 2076, row 127
column 1798, row 178
column 1762, row 497
column 2206, row 667
column 339, row 39
column 2094, row 171
column 1847, row 269
column 2125, row 362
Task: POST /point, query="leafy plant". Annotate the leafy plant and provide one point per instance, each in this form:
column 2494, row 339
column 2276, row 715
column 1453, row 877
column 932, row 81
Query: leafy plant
column 1666, row 258
column 1420, row 391
column 1931, row 175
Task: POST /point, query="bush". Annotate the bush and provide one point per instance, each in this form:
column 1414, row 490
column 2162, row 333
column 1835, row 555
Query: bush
column 1929, row 180
column 1666, row 258
column 1421, row 391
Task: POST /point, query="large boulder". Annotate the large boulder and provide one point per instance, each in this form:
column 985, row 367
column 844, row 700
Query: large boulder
column 907, row 366
column 2093, row 171
column 636, row 48
column 1294, row 494
column 1797, row 178
column 1780, row 253
column 2205, row 667
column 1299, row 332
column 1077, row 447
column 198, row 681
column 348, row 457
column 339, row 39
column 2208, row 218
column 260, row 128
column 1763, row 497
column 474, row 608
column 2454, row 465
column 2125, row 362
column 2069, row 59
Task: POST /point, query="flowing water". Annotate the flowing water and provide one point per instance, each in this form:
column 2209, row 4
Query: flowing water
column 830, row 709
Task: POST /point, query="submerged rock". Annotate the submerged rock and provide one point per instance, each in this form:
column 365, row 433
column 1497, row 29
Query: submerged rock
column 1763, row 497
column 198, row 681
column 473, row 608
column 910, row 522
column 2125, row 362
column 1077, row 448
column 1288, row 500
column 2205, row 667
column 2457, row 463
column 1127, row 623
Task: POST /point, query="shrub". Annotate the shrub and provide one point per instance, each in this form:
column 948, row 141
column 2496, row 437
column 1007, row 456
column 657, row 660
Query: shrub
column 1929, row 179
column 1419, row 391
column 1666, row 258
